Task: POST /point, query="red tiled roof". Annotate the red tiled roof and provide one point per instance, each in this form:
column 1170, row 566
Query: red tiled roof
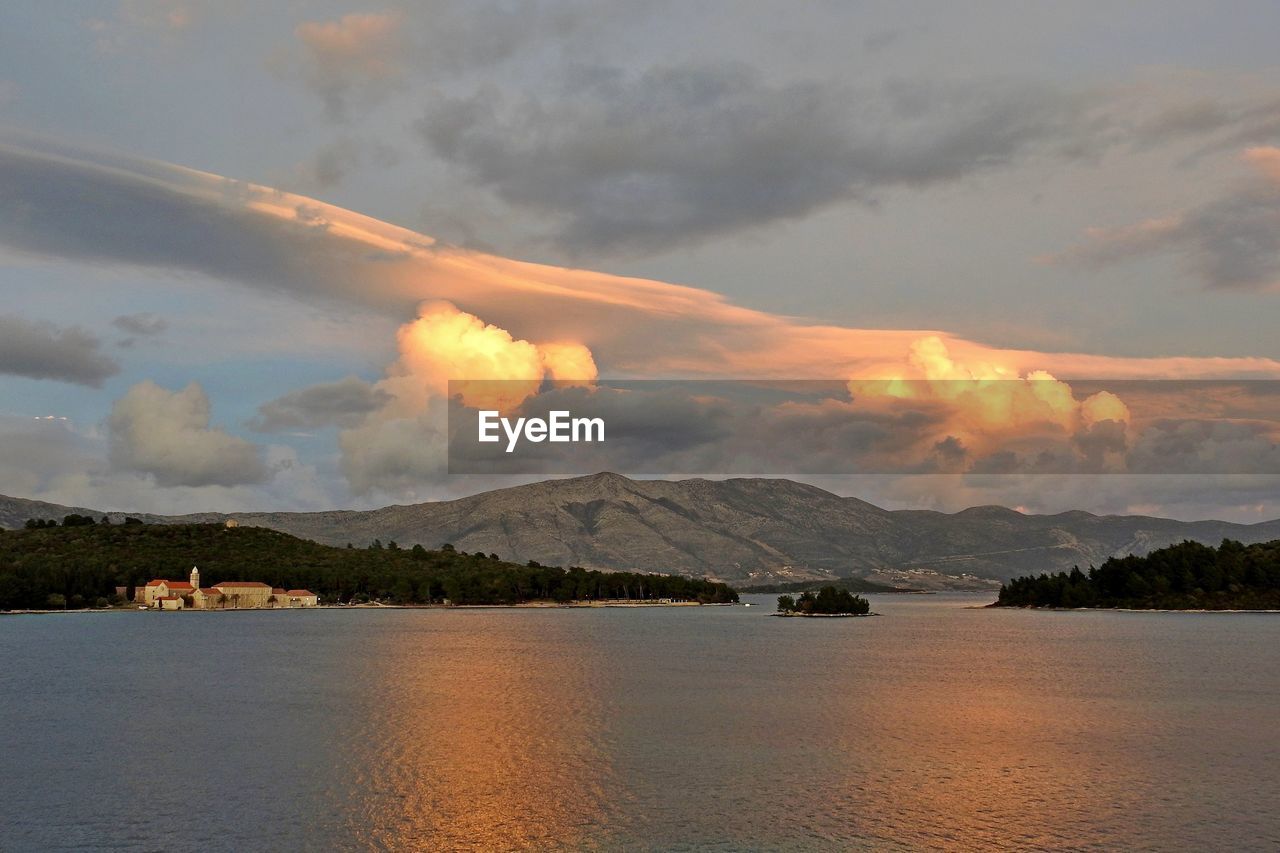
column 278, row 591
column 252, row 584
column 299, row 592
column 156, row 582
column 168, row 598
column 209, row 591
column 180, row 585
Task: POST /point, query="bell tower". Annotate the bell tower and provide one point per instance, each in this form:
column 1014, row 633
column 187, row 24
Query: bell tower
column 195, row 577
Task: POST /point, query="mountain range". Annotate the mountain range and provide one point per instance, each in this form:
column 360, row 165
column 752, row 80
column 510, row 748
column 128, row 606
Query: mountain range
column 746, row 531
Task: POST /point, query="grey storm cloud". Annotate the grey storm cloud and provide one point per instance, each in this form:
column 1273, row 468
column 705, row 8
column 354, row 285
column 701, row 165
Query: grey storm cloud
column 1199, row 446
column 679, row 154
column 357, row 60
column 40, row 350
column 135, row 213
column 167, row 434
column 1232, row 242
column 142, row 325
column 344, row 403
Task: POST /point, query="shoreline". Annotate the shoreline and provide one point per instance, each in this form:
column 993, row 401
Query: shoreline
column 826, row 615
column 524, row 605
column 1122, row 609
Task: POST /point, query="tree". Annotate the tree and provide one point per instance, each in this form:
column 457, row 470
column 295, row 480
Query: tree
column 93, row 561
column 786, row 604
column 56, row 600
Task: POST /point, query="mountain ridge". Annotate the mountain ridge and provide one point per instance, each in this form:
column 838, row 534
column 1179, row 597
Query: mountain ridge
column 741, row 529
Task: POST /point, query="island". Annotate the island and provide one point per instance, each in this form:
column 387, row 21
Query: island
column 85, row 563
column 1186, row 576
column 829, row 601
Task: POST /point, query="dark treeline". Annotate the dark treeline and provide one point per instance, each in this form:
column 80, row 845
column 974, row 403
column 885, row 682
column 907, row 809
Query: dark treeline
column 829, row 601
column 1188, row 576
column 83, row 564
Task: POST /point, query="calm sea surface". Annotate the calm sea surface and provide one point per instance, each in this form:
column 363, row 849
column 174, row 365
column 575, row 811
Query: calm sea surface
column 933, row 726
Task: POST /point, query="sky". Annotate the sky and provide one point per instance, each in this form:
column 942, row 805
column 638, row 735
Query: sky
column 243, row 249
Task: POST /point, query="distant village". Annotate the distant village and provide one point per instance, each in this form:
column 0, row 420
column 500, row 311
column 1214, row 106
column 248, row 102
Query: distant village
column 163, row 594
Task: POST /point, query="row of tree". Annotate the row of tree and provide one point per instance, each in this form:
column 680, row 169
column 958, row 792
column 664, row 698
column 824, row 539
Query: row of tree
column 87, row 562
column 1189, row 575
column 829, row 601
column 72, row 520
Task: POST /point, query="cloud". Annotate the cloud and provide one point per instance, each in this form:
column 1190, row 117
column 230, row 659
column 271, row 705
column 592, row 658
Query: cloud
column 101, row 209
column 332, row 163
column 1232, row 242
column 39, row 350
column 139, row 24
column 53, row 459
column 401, row 446
column 37, row 453
column 344, row 403
column 676, row 155
column 143, row 325
column 357, row 58
column 1024, row 427
column 166, row 434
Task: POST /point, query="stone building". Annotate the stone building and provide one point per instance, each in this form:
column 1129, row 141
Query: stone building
column 240, row 594
column 206, row 598
column 301, row 598
column 231, row 595
column 158, row 589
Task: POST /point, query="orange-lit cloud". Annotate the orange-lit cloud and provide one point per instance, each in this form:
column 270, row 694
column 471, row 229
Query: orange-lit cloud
column 356, row 56
column 281, row 242
column 402, row 441
column 1266, row 158
column 985, row 406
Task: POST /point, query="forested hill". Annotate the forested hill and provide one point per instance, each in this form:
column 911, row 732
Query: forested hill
column 86, row 562
column 1189, row 576
column 759, row 531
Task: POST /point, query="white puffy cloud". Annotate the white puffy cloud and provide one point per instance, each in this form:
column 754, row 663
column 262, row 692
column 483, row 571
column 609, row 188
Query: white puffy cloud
column 402, row 445
column 166, row 434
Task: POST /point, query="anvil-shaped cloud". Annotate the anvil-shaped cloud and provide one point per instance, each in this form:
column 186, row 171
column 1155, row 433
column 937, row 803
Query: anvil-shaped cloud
column 101, row 208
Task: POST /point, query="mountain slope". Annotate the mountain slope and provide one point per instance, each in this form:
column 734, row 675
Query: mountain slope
column 740, row 529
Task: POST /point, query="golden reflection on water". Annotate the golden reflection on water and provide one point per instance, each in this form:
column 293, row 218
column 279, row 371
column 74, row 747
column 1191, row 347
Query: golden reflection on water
column 930, row 728
column 481, row 739
column 989, row 749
